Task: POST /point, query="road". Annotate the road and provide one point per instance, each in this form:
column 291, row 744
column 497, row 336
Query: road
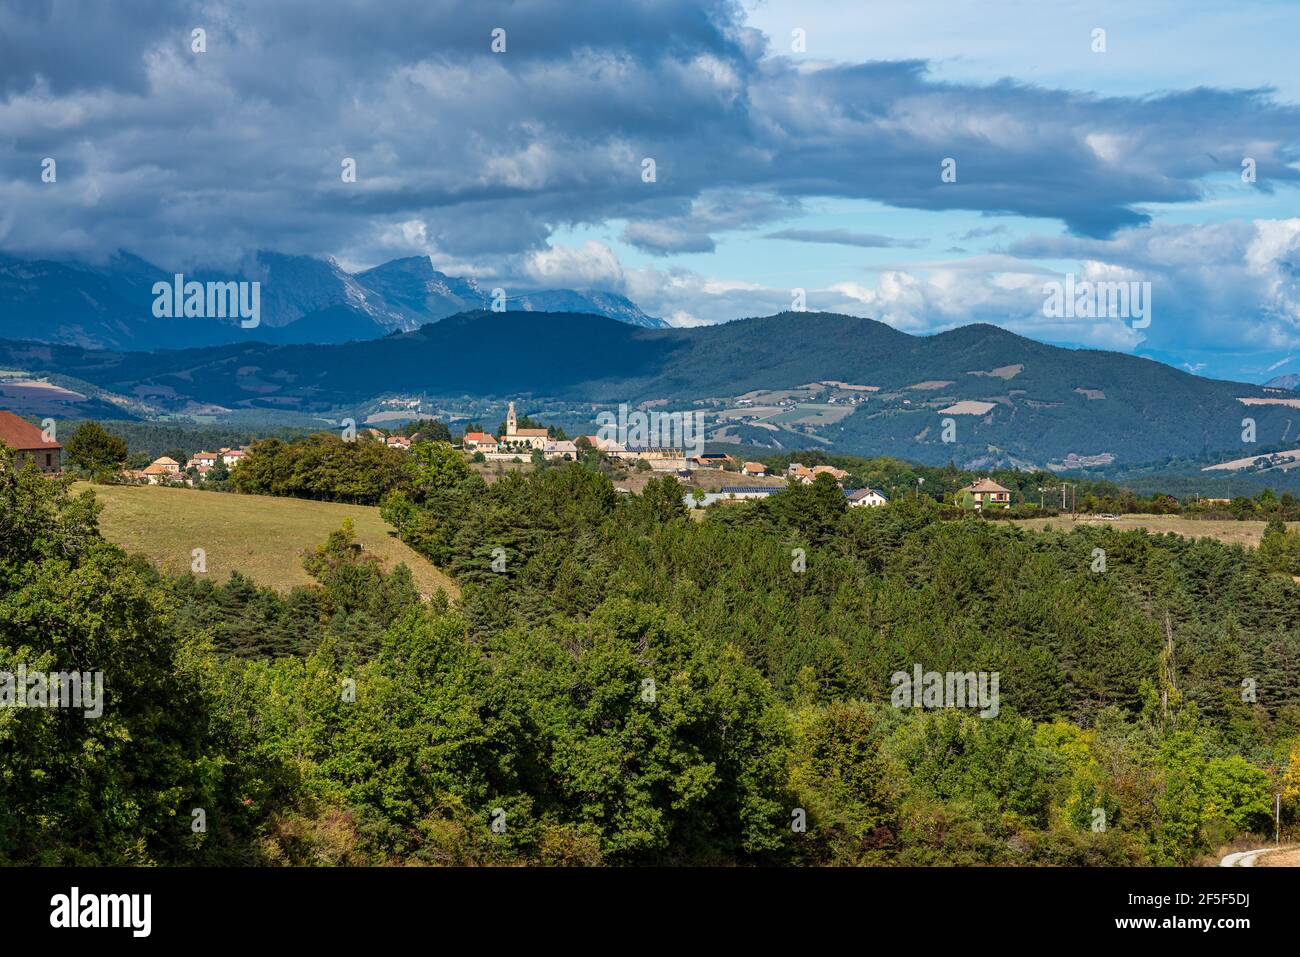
column 1264, row 857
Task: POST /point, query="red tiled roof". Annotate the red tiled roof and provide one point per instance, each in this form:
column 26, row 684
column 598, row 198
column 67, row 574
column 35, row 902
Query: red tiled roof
column 479, row 437
column 21, row 435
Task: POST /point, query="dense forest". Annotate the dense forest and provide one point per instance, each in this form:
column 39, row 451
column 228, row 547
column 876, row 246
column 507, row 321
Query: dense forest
column 622, row 683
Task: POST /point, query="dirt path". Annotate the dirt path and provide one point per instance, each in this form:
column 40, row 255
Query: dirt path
column 1264, row 857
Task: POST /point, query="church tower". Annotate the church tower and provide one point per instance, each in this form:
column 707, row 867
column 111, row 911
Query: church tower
column 510, row 419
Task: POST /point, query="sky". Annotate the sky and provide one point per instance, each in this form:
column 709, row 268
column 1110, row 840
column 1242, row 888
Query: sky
column 927, row 164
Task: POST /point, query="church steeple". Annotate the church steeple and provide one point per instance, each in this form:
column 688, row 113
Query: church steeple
column 510, row 419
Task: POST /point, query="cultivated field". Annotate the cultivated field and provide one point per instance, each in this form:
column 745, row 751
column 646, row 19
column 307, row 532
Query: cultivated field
column 1232, row 533
column 259, row 536
column 808, row 413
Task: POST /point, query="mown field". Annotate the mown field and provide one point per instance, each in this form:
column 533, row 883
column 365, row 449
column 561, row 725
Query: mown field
column 260, row 536
column 1229, row 532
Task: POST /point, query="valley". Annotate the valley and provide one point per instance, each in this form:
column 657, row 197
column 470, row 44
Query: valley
column 978, row 396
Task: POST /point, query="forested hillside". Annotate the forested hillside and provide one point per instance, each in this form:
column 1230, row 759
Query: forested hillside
column 1017, row 401
column 621, row 684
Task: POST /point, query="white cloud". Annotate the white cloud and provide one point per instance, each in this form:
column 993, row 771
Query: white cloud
column 592, row 264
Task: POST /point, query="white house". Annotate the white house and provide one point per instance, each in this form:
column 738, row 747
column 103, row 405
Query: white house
column 865, row 497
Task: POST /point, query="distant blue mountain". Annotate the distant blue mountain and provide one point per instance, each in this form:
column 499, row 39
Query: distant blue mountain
column 977, row 395
column 1291, row 381
column 303, row 300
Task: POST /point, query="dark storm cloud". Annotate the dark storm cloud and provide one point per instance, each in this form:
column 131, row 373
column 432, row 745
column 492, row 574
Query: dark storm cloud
column 74, row 45
column 180, row 156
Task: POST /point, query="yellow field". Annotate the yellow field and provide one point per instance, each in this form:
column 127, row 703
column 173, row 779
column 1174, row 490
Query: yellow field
column 258, row 535
column 1232, row 533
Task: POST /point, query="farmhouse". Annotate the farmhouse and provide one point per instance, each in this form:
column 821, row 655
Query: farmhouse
column 985, row 493
column 29, row 444
column 159, row 471
column 754, row 468
column 479, row 442
column 801, row 473
column 398, row 442
column 865, row 498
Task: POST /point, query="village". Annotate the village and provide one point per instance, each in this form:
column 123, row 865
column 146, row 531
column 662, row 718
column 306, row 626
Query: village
column 712, row 476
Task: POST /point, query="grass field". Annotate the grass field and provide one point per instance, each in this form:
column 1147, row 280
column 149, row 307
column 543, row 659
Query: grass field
column 807, row 413
column 260, row 536
column 1232, row 533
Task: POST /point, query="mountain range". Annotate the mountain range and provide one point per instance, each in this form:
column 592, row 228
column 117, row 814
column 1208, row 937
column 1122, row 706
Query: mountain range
column 303, row 299
column 977, row 395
